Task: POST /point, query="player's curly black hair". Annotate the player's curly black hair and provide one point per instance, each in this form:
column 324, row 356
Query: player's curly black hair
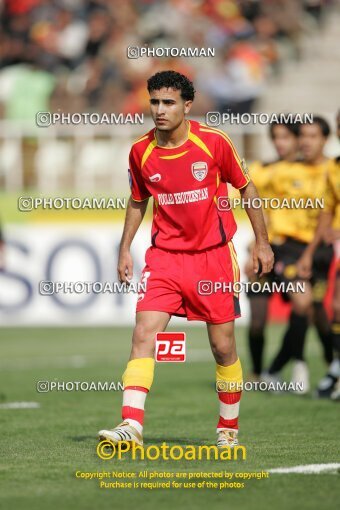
column 173, row 80
column 323, row 125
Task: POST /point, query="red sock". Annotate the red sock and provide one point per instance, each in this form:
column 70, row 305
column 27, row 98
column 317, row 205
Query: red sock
column 229, row 410
column 133, row 406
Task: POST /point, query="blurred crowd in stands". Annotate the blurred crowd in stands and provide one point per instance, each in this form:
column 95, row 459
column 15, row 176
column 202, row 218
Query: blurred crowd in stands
column 72, row 54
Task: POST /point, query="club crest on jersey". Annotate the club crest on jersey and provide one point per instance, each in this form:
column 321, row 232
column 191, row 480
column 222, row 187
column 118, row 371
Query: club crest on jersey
column 297, row 184
column 199, row 170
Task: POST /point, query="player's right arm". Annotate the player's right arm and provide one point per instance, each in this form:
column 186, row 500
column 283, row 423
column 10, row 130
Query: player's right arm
column 134, row 216
column 235, row 172
column 137, row 205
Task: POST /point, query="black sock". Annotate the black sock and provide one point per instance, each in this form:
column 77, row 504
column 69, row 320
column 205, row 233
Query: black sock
column 283, row 356
column 256, row 344
column 323, row 327
column 327, row 344
column 292, row 344
column 299, row 325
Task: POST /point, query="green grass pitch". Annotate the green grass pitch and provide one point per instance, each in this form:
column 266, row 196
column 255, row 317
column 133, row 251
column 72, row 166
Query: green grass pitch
column 41, row 449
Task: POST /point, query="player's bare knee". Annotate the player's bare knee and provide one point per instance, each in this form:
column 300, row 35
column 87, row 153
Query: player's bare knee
column 301, row 308
column 301, row 303
column 142, row 335
column 224, row 350
column 257, row 326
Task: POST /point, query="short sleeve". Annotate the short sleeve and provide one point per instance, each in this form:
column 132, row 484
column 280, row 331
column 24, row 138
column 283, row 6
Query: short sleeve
column 139, row 191
column 233, row 170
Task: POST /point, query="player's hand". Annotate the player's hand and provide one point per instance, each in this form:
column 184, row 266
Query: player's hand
column 125, row 266
column 263, row 258
column 304, row 265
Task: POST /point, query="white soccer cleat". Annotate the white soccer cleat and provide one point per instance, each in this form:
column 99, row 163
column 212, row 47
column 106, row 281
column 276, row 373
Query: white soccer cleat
column 300, row 375
column 273, row 382
column 227, row 438
column 327, row 384
column 123, row 432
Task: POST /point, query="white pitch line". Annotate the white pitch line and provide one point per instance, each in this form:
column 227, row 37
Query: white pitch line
column 308, row 469
column 20, row 405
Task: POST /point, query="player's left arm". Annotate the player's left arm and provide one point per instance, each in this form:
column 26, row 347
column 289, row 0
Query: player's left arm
column 263, row 257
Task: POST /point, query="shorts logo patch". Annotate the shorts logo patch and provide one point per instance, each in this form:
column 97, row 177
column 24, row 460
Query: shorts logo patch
column 319, row 291
column 290, row 272
column 199, row 170
column 143, row 281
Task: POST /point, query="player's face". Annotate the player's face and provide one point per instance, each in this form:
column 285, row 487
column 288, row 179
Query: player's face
column 312, row 142
column 285, row 142
column 168, row 108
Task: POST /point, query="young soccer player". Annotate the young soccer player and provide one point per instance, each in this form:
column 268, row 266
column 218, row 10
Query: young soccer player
column 184, row 166
column 328, row 231
column 294, row 229
column 285, row 140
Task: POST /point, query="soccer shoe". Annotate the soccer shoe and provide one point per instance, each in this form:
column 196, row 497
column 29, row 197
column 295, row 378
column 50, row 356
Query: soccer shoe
column 227, row 438
column 326, row 386
column 327, row 383
column 272, row 380
column 123, row 432
column 300, row 375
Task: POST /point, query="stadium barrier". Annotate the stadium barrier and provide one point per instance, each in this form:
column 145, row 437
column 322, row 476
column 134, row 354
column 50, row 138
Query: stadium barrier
column 78, row 157
column 74, row 253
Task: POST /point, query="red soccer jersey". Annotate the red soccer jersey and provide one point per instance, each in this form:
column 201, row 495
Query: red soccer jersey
column 185, row 183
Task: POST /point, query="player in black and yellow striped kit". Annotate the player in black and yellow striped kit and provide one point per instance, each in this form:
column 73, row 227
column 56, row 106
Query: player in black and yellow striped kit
column 291, row 231
column 285, row 140
column 328, row 231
